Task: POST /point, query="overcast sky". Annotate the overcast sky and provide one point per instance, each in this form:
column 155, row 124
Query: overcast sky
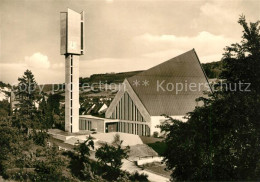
column 121, row 35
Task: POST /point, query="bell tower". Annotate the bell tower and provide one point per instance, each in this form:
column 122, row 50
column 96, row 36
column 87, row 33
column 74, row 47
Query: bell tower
column 72, row 46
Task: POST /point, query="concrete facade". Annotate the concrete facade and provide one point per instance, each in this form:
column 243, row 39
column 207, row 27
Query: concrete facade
column 88, row 122
column 72, row 46
column 72, row 93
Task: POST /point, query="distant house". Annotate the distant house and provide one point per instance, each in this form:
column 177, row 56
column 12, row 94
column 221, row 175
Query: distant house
column 102, row 109
column 138, row 108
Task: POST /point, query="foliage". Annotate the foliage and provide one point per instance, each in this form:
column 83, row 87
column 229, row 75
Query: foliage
column 50, row 111
column 4, row 108
column 54, row 103
column 213, row 69
column 2, row 84
column 8, row 137
column 15, row 148
column 80, row 164
column 50, row 169
column 84, row 148
column 221, row 139
column 40, row 137
column 138, row 177
column 27, row 94
column 109, row 155
column 110, row 158
column 155, row 134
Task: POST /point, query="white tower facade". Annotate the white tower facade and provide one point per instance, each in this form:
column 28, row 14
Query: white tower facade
column 72, row 46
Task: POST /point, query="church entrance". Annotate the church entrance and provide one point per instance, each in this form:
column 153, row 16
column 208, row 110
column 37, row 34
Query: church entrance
column 111, row 127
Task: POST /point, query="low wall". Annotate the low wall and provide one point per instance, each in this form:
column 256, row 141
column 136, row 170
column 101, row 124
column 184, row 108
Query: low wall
column 149, row 160
column 61, row 137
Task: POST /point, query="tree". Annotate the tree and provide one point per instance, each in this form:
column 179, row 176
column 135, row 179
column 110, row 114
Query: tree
column 27, row 96
column 110, row 159
column 80, row 163
column 221, row 139
column 112, row 155
column 84, row 149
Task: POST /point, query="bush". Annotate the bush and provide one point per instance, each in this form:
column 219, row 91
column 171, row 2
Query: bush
column 40, row 138
column 138, row 177
column 155, row 134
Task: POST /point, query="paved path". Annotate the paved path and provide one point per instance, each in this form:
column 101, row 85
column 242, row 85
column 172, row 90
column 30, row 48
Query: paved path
column 128, row 166
column 131, row 167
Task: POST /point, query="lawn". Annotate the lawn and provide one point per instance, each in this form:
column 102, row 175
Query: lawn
column 158, row 168
column 158, row 147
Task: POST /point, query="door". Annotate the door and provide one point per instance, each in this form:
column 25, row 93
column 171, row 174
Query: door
column 111, row 127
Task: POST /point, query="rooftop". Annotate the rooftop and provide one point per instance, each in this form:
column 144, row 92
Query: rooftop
column 163, row 99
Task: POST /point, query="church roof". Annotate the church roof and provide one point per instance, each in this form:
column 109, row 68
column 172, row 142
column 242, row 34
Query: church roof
column 158, row 88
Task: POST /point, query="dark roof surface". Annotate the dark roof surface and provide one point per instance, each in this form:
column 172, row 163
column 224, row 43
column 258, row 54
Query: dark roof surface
column 184, row 70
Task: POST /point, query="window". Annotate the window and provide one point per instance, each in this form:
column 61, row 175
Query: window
column 81, row 33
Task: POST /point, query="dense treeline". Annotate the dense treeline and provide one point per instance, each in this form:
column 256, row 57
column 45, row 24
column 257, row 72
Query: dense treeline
column 221, row 139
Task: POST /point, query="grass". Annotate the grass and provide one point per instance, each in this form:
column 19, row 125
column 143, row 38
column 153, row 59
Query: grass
column 158, row 168
column 158, row 147
column 147, row 139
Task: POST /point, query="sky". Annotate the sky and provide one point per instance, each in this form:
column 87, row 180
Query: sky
column 120, row 35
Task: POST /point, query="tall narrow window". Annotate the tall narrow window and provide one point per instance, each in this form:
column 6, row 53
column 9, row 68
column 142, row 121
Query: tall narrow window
column 81, row 33
column 132, row 110
column 119, row 109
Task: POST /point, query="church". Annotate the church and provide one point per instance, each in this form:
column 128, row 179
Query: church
column 170, row 88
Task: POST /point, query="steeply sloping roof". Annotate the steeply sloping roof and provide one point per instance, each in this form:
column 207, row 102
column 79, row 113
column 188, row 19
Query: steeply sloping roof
column 157, row 99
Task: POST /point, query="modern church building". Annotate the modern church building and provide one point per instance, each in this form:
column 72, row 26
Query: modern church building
column 170, row 88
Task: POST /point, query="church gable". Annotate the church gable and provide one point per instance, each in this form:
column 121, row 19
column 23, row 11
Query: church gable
column 127, row 106
column 127, row 110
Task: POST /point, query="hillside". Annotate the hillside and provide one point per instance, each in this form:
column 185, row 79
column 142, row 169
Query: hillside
column 108, row 77
column 212, row 70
